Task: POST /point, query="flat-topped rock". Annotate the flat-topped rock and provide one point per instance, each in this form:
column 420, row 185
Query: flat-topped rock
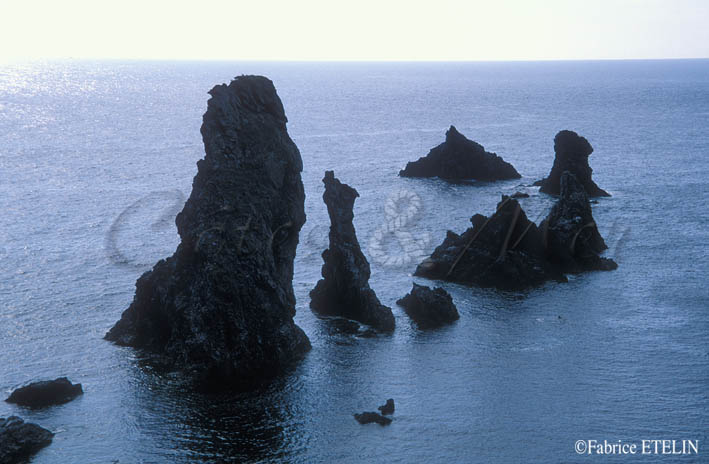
column 372, row 417
column 221, row 307
column 459, row 159
column 344, row 289
column 571, row 154
column 45, row 393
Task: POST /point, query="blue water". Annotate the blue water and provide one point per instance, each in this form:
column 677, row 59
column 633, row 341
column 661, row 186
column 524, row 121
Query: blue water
column 96, row 158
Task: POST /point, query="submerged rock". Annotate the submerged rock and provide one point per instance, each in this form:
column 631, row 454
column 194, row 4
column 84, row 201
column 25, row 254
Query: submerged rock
column 459, row 159
column 45, row 393
column 572, row 239
column 571, row 154
column 222, row 306
column 369, row 417
column 388, row 408
column 504, row 251
column 344, row 289
column 429, row 308
column 518, row 195
column 19, row 440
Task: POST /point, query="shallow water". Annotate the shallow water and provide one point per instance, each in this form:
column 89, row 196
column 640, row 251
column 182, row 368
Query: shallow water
column 97, row 157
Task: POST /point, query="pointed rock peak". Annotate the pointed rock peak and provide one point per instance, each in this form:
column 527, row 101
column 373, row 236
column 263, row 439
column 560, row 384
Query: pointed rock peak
column 453, row 134
column 458, row 159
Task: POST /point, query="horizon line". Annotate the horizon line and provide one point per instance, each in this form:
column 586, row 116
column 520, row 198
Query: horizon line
column 336, row 60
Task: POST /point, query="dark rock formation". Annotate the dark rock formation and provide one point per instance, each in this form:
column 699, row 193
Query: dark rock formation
column 504, row 251
column 572, row 239
column 369, row 417
column 509, row 252
column 20, row 440
column 344, row 289
column 45, row 393
column 388, row 408
column 518, row 195
column 222, row 306
column 459, row 158
column 429, row 308
column 572, row 152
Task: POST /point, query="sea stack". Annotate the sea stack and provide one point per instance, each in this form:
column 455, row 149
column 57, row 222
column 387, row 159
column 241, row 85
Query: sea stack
column 504, row 251
column 571, row 154
column 572, row 239
column 459, row 158
column 509, row 252
column 344, row 289
column 222, row 306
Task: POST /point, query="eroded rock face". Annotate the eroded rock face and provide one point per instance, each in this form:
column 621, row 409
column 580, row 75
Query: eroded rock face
column 509, row 252
column 460, row 159
column 429, row 308
column 222, row 306
column 571, row 154
column 504, row 251
column 45, row 393
column 344, row 289
column 19, row 440
column 572, row 239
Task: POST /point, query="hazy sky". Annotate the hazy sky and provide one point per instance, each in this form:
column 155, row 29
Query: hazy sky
column 355, row 29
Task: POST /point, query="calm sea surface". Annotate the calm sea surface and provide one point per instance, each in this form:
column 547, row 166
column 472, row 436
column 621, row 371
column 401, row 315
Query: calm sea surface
column 96, row 158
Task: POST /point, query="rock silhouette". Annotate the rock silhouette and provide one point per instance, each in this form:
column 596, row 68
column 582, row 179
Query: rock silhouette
column 344, row 289
column 388, row 407
column 571, row 154
column 509, row 252
column 221, row 307
column 459, row 158
column 429, row 308
column 369, row 417
column 45, row 393
column 19, row 440
column 504, row 251
column 570, row 232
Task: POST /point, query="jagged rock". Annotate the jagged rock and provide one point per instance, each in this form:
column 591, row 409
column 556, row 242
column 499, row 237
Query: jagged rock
column 19, row 440
column 45, row 393
column 369, row 417
column 572, row 239
column 572, row 152
column 222, row 306
column 509, row 252
column 429, row 308
column 344, row 289
column 504, row 251
column 388, row 408
column 518, row 195
column 458, row 159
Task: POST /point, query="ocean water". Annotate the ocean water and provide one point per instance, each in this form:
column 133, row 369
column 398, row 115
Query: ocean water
column 96, row 158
